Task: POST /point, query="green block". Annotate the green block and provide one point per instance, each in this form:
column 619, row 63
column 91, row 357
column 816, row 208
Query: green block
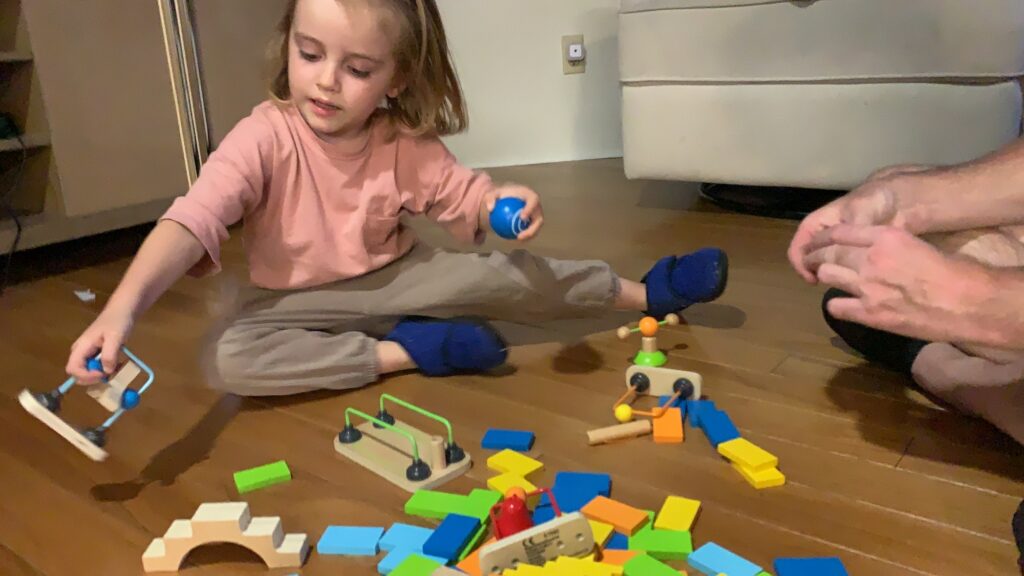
column 644, row 565
column 764, row 574
column 475, row 540
column 434, row 504
column 262, row 476
column 415, row 565
column 662, row 544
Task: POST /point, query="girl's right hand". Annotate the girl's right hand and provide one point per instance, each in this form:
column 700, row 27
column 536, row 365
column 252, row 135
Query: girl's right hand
column 105, row 336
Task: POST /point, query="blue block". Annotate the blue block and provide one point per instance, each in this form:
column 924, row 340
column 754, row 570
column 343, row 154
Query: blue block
column 679, row 403
column 451, row 536
column 809, row 567
column 496, row 439
column 618, row 541
column 542, row 514
column 395, row 557
column 350, row 540
column 695, row 408
column 712, row 559
column 405, row 536
column 718, row 427
column 574, row 490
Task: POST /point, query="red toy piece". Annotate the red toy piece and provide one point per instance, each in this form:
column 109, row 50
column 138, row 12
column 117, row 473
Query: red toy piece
column 515, row 516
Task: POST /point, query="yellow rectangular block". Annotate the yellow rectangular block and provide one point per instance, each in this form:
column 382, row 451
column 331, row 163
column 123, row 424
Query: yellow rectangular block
column 579, row 567
column 512, row 462
column 526, row 570
column 602, row 532
column 503, row 482
column 677, row 513
column 747, row 454
column 767, row 478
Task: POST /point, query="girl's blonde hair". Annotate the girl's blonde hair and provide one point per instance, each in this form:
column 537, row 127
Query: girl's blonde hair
column 431, row 101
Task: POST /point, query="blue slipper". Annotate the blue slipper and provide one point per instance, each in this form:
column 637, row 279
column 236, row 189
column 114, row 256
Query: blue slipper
column 675, row 283
column 446, row 347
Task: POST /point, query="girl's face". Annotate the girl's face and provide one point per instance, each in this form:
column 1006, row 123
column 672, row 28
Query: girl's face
column 340, row 65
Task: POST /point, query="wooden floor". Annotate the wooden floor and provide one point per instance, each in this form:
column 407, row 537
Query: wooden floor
column 877, row 475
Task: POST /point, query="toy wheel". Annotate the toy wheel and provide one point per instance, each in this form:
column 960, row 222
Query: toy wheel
column 50, row 400
column 454, row 453
column 349, row 434
column 417, row 471
column 684, row 387
column 95, row 435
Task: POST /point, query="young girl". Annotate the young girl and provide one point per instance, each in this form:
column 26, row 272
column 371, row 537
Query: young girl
column 341, row 292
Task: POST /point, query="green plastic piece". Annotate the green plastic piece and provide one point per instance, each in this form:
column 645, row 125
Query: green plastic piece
column 657, row 358
column 474, row 541
column 763, row 574
column 434, row 504
column 644, row 565
column 262, row 476
column 415, row 565
column 383, row 424
column 662, row 544
column 421, row 412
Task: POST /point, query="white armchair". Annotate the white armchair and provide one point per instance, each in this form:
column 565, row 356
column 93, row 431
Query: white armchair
column 815, row 94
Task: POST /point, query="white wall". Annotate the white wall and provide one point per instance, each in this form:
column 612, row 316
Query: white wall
column 522, row 109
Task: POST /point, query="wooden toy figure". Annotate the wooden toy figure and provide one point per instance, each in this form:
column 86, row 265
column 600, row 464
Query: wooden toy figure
column 113, row 394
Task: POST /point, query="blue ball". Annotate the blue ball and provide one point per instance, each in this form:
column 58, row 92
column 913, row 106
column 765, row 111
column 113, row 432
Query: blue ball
column 130, row 399
column 94, row 365
column 505, row 219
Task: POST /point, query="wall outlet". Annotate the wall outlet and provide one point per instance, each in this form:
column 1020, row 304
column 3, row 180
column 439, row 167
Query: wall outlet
column 574, row 55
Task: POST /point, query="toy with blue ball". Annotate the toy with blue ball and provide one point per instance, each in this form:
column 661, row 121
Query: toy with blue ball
column 506, row 218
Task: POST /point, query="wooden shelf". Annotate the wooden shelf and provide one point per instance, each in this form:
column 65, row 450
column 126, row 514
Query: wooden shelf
column 31, row 141
column 15, row 56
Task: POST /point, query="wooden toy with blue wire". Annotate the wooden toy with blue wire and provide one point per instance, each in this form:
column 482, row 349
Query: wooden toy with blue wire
column 114, row 394
column 399, row 452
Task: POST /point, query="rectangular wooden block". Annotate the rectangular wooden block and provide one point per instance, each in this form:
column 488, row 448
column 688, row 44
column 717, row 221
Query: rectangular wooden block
column 644, row 565
column 617, row 557
column 512, row 462
column 602, row 532
column 262, row 476
column 662, row 544
column 350, row 540
column 498, row 439
column 451, row 536
column 668, row 428
column 625, row 518
column 747, row 454
column 760, row 479
column 677, row 513
column 502, row 482
column 435, row 504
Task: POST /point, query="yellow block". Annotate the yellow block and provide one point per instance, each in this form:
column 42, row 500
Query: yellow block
column 503, row 482
column 677, row 513
column 767, row 478
column 581, row 567
column 512, row 462
column 602, row 532
column 526, row 570
column 747, row 454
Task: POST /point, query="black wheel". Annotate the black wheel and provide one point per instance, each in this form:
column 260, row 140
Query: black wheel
column 349, row 434
column 417, row 471
column 386, row 417
column 49, row 399
column 684, row 387
column 453, row 453
column 97, row 436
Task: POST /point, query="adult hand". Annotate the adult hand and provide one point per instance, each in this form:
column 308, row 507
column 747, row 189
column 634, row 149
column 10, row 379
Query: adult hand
column 900, row 283
column 875, row 202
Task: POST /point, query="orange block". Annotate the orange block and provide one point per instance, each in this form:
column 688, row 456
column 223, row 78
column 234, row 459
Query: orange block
column 668, row 428
column 617, row 557
column 625, row 518
column 471, row 564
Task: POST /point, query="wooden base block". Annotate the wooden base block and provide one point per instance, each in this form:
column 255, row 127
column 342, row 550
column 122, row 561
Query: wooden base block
column 389, row 454
column 662, row 380
column 42, row 413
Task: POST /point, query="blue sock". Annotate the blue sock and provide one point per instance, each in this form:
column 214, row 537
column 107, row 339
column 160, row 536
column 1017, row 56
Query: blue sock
column 445, row 347
column 674, row 283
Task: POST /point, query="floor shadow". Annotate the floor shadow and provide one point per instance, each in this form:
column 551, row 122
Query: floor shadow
column 174, row 460
column 580, row 358
column 712, row 315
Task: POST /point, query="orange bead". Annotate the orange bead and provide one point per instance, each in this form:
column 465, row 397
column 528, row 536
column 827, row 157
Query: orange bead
column 516, row 491
column 648, row 326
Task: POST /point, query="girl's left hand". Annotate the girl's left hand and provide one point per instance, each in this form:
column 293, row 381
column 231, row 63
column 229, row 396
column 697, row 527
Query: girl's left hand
column 532, row 211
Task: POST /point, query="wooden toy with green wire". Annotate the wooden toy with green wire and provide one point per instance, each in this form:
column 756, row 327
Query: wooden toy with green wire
column 400, row 453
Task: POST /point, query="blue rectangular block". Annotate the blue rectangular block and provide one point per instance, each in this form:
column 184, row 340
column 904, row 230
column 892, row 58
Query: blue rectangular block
column 679, row 403
column 497, row 439
column 542, row 514
column 809, row 567
column 395, row 557
column 712, row 559
column 405, row 536
column 718, row 427
column 618, row 541
column 451, row 536
column 695, row 408
column 574, row 490
column 350, row 540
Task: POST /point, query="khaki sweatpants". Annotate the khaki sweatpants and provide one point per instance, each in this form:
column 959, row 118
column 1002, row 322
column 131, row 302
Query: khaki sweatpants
column 280, row 342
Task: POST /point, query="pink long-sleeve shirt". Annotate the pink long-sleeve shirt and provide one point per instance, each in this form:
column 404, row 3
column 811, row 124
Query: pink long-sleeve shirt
column 313, row 215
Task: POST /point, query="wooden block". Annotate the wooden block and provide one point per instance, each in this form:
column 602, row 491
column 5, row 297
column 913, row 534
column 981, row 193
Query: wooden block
column 644, row 565
column 668, row 428
column 109, row 393
column 512, row 462
column 625, row 518
column 663, row 379
column 42, row 413
column 388, row 454
column 617, row 557
column 767, row 478
column 747, row 454
column 677, row 513
column 619, row 432
column 416, row 565
column 713, row 559
column 662, row 544
column 350, row 540
column 451, row 536
column 471, row 564
column 498, row 439
column 432, row 504
column 503, row 482
column 566, row 535
column 474, row 542
column 602, row 532
column 262, row 476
